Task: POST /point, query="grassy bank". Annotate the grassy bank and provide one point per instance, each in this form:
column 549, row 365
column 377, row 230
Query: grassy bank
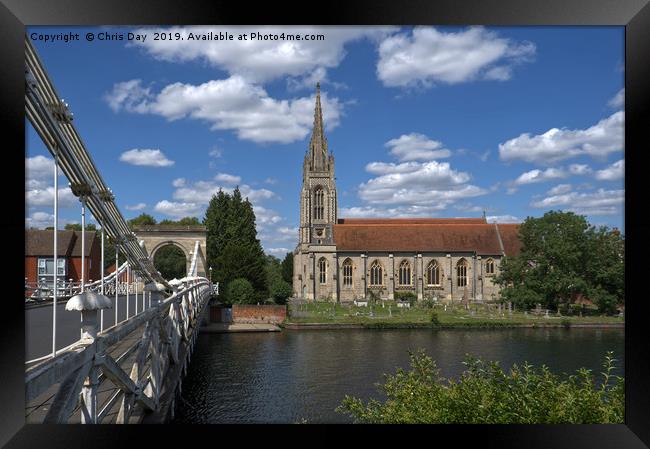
column 389, row 315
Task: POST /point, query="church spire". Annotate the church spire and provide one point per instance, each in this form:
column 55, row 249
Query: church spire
column 318, row 143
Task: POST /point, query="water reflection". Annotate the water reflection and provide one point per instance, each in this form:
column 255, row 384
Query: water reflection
column 292, row 375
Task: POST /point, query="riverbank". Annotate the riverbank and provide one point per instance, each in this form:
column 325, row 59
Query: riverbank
column 384, row 325
column 336, row 316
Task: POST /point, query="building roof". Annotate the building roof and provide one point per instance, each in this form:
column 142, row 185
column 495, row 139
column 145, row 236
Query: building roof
column 510, row 237
column 399, row 221
column 435, row 235
column 41, row 243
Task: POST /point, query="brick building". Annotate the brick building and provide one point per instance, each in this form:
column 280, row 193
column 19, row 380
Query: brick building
column 39, row 255
column 344, row 259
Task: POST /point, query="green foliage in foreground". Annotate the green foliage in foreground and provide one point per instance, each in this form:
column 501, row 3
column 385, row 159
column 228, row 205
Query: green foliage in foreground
column 485, row 394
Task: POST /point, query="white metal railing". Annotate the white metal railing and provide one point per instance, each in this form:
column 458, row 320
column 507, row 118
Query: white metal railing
column 170, row 330
column 195, row 257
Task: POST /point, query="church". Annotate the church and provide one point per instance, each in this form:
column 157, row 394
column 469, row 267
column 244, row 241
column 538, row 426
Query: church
column 348, row 259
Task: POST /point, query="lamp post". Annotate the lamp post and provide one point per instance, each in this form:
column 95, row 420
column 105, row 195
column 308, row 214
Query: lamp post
column 210, row 274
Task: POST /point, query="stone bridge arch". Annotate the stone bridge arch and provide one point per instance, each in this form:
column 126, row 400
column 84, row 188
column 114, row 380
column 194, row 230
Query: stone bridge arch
column 183, row 237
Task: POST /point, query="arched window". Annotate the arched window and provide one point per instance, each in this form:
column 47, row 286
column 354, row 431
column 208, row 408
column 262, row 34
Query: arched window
column 322, row 270
column 347, row 273
column 461, row 273
column 405, row 273
column 319, row 201
column 489, row 266
column 376, row 274
column 433, row 273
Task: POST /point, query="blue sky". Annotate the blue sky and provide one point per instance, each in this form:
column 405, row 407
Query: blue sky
column 428, row 121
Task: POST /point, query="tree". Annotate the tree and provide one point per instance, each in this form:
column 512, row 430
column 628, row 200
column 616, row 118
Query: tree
column 233, row 249
column 287, row 268
column 170, row 261
column 142, row 220
column 185, row 221
column 240, row 291
column 562, row 256
column 77, row 227
column 280, row 291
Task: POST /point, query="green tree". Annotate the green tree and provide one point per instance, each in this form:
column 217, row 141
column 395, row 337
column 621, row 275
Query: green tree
column 273, row 269
column 77, row 227
column 170, row 261
column 240, row 291
column 287, row 268
column 486, row 394
column 280, row 291
column 185, row 221
column 563, row 256
column 142, row 220
column 233, row 249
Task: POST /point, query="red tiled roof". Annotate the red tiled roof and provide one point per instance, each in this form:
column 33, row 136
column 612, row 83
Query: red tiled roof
column 401, row 221
column 510, row 238
column 41, row 243
column 389, row 235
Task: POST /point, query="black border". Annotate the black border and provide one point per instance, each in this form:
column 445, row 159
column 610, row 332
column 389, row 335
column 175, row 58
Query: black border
column 634, row 14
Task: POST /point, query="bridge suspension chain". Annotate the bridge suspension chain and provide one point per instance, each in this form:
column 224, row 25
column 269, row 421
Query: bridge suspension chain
column 51, row 118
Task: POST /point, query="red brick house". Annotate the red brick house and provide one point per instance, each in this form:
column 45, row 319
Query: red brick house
column 39, row 255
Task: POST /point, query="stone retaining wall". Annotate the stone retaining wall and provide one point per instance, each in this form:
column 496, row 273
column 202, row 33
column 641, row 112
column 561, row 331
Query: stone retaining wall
column 274, row 314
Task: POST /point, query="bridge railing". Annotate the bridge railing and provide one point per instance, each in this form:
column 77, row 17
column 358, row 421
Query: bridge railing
column 170, row 330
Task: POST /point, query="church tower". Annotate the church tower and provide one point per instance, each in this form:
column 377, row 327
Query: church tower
column 318, row 202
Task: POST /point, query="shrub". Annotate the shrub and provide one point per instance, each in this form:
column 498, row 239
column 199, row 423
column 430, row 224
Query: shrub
column 486, row 394
column 240, row 291
column 428, row 303
column 409, row 297
column 280, row 291
column 434, row 318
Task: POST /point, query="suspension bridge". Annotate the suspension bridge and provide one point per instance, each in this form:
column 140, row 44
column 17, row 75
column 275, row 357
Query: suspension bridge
column 130, row 370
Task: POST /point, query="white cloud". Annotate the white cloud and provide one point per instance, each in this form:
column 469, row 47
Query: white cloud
column 502, row 219
column 558, row 144
column 278, row 252
column 215, row 153
column 260, row 60
column 614, row 172
column 228, row 179
column 42, row 220
column 579, row 169
column 138, row 206
column 618, row 101
column 128, row 95
column 235, row 104
column 535, row 176
column 560, row 189
column 271, row 181
column 202, row 191
column 601, row 202
column 427, row 56
column 146, row 157
column 178, row 209
column 392, row 212
column 178, row 182
column 45, row 197
column 414, row 146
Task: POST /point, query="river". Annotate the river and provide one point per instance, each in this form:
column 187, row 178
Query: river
column 295, row 375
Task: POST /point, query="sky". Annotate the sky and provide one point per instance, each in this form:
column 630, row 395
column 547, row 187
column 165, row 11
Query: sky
column 433, row 121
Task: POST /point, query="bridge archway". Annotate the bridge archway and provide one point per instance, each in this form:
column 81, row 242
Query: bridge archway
column 156, row 237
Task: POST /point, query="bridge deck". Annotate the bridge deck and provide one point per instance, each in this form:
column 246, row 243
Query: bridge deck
column 124, row 353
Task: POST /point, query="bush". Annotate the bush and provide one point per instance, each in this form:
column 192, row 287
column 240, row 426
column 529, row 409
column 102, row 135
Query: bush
column 428, row 303
column 280, row 291
column 434, row 318
column 409, row 297
column 240, row 291
column 485, row 394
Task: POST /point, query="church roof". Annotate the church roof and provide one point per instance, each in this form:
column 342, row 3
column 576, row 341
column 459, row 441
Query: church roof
column 396, row 221
column 432, row 234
